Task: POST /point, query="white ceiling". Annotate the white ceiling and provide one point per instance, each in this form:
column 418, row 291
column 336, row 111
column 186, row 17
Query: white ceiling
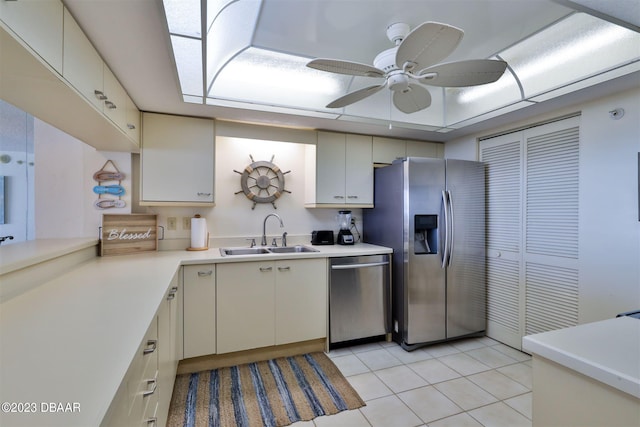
column 132, row 37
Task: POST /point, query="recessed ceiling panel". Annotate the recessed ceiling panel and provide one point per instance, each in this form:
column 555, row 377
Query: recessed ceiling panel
column 577, row 47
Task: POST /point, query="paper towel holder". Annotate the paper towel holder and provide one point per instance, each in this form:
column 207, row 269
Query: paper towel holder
column 206, row 248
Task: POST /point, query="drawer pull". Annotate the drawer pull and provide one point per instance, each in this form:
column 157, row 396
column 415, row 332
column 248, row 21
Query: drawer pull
column 265, row 269
column 205, row 273
column 131, row 126
column 287, row 268
column 200, row 193
column 153, row 421
column 110, row 105
column 338, row 197
column 154, row 386
column 352, row 197
column 151, row 347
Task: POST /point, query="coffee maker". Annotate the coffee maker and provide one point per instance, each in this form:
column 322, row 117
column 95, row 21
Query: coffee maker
column 344, row 221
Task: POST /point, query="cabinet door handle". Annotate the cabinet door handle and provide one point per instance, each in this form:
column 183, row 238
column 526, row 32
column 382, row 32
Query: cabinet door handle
column 338, row 197
column 100, row 95
column 153, row 421
column 110, row 105
column 205, row 273
column 200, row 193
column 265, row 269
column 151, row 347
column 154, row 386
column 352, row 197
column 287, row 268
column 131, row 126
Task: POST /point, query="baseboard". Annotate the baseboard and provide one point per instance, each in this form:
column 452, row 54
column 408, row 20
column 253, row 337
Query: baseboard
column 215, row 361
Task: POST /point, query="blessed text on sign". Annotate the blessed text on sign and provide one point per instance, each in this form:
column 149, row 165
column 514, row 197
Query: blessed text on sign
column 128, row 234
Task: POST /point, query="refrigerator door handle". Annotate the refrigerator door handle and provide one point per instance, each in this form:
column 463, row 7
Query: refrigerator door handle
column 445, row 252
column 451, row 228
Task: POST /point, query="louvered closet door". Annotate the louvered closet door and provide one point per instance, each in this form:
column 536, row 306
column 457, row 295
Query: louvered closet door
column 503, row 159
column 532, row 230
column 551, row 226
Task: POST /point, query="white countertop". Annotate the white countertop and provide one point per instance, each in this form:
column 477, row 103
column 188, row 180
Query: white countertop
column 24, row 254
column 71, row 339
column 608, row 351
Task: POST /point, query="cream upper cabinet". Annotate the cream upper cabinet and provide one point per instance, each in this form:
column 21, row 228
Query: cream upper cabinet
column 339, row 171
column 424, row 149
column 132, row 117
column 199, row 316
column 386, row 150
column 359, row 170
column 115, row 106
column 85, row 70
column 177, row 161
column 82, row 66
column 39, row 24
column 246, row 306
column 301, row 300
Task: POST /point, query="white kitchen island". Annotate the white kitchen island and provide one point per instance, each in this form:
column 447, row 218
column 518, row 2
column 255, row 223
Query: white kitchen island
column 587, row 375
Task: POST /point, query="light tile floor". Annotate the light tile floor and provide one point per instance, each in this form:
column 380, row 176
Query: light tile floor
column 471, row 382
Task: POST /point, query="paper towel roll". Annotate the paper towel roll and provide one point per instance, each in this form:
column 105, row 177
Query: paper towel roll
column 199, row 233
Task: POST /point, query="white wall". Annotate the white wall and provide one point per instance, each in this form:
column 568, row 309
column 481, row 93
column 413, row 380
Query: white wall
column 609, row 226
column 64, row 184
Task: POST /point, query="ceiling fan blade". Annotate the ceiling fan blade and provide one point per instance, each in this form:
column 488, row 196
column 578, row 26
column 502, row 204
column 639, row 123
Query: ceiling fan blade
column 412, row 99
column 464, row 73
column 345, row 67
column 428, row 44
column 356, row 96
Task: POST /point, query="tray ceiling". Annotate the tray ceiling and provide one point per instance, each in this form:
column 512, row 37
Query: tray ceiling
column 133, row 38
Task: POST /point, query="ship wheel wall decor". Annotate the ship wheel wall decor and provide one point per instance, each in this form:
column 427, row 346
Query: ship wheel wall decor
column 262, row 182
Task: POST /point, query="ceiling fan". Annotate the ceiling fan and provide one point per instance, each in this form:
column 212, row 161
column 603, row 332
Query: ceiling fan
column 414, row 58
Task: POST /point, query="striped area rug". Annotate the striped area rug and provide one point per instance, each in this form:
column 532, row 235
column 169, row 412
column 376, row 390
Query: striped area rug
column 272, row 393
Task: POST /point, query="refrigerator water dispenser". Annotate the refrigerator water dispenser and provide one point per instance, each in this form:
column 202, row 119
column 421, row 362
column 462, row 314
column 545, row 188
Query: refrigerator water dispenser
column 425, row 234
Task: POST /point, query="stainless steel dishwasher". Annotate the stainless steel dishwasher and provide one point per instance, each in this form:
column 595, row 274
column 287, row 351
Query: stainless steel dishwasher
column 359, row 297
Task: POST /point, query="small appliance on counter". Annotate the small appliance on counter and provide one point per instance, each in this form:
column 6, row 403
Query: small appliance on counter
column 322, row 237
column 344, row 221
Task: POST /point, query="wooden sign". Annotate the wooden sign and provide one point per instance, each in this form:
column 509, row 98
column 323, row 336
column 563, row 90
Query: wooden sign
column 127, row 234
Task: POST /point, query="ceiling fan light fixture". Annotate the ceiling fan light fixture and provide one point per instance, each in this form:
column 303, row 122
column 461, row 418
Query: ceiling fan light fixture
column 396, row 32
column 397, row 80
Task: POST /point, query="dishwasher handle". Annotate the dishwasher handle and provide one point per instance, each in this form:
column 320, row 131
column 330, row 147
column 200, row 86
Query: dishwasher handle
column 362, row 265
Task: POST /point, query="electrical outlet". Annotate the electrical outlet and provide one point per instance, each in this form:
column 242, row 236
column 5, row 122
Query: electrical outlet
column 171, row 223
column 186, row 223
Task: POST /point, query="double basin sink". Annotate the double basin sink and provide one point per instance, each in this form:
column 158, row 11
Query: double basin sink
column 267, row 250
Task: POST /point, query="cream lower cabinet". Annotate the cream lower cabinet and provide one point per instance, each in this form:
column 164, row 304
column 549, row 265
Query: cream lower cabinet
column 301, row 295
column 269, row 303
column 168, row 335
column 246, row 301
column 145, row 392
column 199, row 317
column 136, row 401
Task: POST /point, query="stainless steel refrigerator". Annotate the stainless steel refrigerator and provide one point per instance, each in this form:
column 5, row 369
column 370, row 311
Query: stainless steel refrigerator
column 432, row 213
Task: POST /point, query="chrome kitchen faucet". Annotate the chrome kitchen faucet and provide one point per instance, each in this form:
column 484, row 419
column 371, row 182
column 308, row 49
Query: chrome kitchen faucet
column 264, row 227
